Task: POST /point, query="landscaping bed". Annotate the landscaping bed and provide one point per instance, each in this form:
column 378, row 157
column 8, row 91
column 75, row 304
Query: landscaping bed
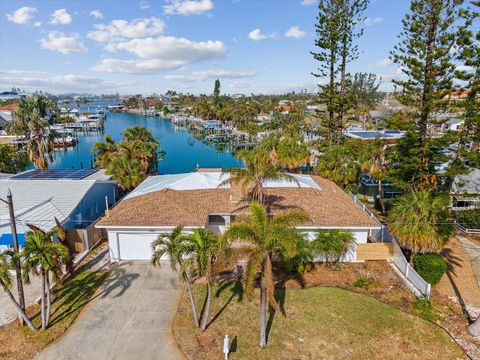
column 68, row 299
column 320, row 322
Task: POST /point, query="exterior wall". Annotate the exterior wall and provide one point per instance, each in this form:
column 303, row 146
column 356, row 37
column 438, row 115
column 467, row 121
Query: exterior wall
column 135, row 244
column 361, row 237
column 92, row 205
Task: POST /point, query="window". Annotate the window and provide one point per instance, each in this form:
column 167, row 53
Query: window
column 216, row 220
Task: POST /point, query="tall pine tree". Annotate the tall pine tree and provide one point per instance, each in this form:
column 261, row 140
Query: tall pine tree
column 335, row 28
column 425, row 55
column 469, row 73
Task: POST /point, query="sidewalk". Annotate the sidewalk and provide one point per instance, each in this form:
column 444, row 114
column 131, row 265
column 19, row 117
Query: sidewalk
column 462, row 278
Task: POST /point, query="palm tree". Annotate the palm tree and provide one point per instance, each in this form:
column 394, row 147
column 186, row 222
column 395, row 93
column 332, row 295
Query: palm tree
column 414, row 219
column 267, row 238
column 336, row 164
column 258, row 169
column 128, row 173
column 171, row 244
column 200, row 250
column 6, row 266
column 45, row 258
column 332, row 244
column 105, row 152
column 28, row 121
column 372, row 161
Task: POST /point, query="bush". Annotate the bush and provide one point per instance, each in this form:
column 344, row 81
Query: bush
column 430, row 267
column 425, row 309
column 364, row 282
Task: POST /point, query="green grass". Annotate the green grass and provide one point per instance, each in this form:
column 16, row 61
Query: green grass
column 320, row 323
column 67, row 302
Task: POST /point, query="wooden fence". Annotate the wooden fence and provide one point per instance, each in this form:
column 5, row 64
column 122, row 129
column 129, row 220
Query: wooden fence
column 80, row 240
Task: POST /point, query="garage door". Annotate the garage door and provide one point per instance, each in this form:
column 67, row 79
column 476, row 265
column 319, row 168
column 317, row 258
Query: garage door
column 135, row 246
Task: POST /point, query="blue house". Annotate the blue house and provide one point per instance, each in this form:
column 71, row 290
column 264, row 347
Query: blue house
column 76, row 198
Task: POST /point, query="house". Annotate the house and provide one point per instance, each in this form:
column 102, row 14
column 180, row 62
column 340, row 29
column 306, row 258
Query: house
column 6, row 114
column 453, row 125
column 390, row 136
column 77, row 198
column 370, row 189
column 162, row 202
column 263, row 117
column 465, row 191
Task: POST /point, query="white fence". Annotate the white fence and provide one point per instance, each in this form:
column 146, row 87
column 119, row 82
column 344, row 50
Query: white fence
column 466, row 230
column 416, row 283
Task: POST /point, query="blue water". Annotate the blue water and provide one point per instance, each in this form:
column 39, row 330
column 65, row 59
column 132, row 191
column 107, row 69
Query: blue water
column 183, row 151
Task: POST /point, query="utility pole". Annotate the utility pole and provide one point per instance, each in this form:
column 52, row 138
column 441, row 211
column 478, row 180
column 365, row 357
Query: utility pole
column 18, row 270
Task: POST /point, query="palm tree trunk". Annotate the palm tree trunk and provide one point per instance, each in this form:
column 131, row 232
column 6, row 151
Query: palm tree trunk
column 474, row 328
column 207, row 307
column 192, row 300
column 20, row 311
column 263, row 315
column 49, row 302
column 42, row 310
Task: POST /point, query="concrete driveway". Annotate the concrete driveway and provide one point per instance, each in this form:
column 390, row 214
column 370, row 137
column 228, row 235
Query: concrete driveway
column 130, row 319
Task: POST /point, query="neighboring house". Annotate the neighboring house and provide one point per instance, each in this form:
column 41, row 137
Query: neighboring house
column 77, row 198
column 160, row 203
column 6, row 114
column 390, row 136
column 453, row 124
column 465, row 191
column 263, row 117
column 369, row 189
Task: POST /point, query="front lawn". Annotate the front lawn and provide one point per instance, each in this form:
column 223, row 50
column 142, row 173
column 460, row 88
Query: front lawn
column 21, row 343
column 320, row 323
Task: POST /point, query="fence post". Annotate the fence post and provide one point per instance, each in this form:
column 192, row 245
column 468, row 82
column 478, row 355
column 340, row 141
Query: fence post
column 407, row 268
column 428, row 290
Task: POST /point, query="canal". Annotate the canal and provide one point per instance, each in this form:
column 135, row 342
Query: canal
column 183, row 151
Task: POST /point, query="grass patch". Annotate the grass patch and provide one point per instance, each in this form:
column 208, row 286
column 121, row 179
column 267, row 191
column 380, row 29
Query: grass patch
column 321, row 323
column 68, row 300
column 364, row 282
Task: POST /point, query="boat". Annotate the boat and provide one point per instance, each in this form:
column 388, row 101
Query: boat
column 66, row 141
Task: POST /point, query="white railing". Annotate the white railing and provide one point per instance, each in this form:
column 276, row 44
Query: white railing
column 466, row 230
column 414, row 281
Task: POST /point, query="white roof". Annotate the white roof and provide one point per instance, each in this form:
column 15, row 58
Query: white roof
column 455, row 121
column 37, row 202
column 467, row 183
column 208, row 180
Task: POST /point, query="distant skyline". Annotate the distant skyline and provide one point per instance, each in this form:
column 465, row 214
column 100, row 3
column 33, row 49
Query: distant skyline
column 147, row 47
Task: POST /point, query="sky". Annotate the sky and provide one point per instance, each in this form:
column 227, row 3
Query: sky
column 151, row 46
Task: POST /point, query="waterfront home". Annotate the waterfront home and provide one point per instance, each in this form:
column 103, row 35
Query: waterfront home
column 263, row 117
column 465, row 191
column 196, row 199
column 77, row 198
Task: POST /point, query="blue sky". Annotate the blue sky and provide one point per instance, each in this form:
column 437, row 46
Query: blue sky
column 132, row 46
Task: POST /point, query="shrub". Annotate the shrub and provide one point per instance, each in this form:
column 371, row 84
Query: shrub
column 425, row 309
column 430, row 267
column 364, row 282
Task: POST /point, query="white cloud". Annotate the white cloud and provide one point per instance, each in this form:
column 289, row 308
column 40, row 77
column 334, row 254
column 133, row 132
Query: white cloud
column 372, row 21
column 162, row 53
column 39, row 80
column 144, row 5
column 60, row 17
column 382, row 63
column 119, row 30
column 257, row 35
column 188, row 7
column 97, row 14
column 239, row 84
column 295, row 32
column 37, row 23
column 308, row 2
column 22, row 15
column 63, row 43
column 211, row 74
